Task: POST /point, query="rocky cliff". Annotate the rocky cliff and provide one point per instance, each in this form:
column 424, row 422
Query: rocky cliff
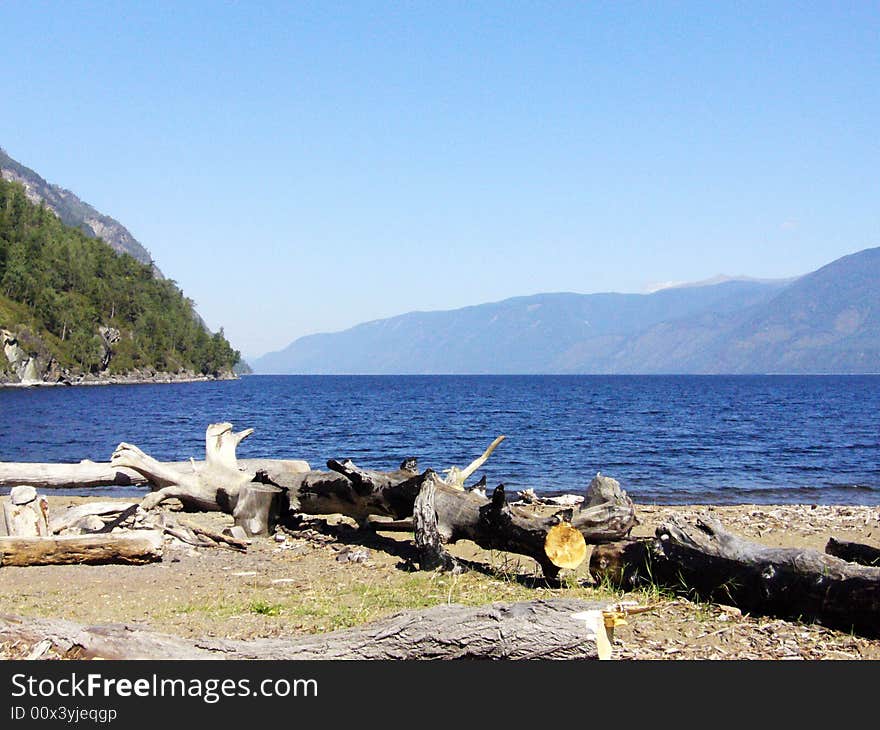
column 74, row 212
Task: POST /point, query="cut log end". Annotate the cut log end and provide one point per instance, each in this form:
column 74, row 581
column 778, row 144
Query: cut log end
column 565, row 546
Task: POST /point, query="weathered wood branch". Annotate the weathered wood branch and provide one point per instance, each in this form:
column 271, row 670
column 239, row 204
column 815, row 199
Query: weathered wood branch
column 189, row 533
column 705, row 560
column 354, row 492
column 221, row 443
column 134, row 548
column 216, row 486
column 90, row 474
column 456, row 477
column 559, row 629
column 217, row 537
column 72, row 515
column 444, row 515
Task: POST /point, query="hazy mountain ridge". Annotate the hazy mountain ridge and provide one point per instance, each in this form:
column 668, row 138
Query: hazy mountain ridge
column 74, row 212
column 826, row 321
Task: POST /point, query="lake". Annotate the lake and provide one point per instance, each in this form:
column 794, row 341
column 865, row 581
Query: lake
column 667, row 439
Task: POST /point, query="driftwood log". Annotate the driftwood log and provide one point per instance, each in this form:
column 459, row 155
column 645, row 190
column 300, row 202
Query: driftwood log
column 259, row 499
column 361, row 494
column 560, row 629
column 270, row 493
column 213, row 487
column 444, row 515
column 446, row 512
column 704, row 560
column 853, row 552
column 277, row 490
column 133, row 548
column 90, row 474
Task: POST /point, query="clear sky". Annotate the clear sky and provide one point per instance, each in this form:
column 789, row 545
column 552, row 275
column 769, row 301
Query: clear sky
column 303, row 167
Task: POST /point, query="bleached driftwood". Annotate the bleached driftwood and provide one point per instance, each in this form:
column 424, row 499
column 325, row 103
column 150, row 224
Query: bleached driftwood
column 456, row 477
column 191, row 534
column 72, row 515
column 219, row 485
column 90, row 474
column 213, row 487
column 258, row 501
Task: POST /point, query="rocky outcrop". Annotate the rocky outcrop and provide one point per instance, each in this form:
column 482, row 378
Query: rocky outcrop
column 21, row 366
column 109, row 337
column 145, row 376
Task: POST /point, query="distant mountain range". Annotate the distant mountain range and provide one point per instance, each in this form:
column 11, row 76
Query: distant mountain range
column 74, row 212
column 827, row 321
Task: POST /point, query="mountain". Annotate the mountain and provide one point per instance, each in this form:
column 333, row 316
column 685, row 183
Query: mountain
column 73, row 309
column 74, row 212
column 826, row 321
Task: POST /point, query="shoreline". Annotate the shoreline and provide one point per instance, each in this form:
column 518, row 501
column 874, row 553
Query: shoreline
column 158, row 379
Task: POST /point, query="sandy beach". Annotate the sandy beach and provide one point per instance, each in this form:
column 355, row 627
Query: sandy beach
column 331, row 576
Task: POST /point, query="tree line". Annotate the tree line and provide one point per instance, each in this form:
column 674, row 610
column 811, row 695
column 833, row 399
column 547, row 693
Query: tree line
column 58, row 286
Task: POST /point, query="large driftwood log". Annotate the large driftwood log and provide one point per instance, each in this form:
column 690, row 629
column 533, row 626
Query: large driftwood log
column 705, row 560
column 90, row 474
column 213, row 487
column 276, row 491
column 135, row 548
column 445, row 515
column 357, row 493
column 560, row 629
column 364, row 493
column 345, row 489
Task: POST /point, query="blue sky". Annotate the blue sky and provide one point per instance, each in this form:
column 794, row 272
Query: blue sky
column 302, row 167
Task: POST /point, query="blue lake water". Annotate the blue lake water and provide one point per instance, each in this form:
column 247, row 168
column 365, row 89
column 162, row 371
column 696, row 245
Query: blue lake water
column 667, row 439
